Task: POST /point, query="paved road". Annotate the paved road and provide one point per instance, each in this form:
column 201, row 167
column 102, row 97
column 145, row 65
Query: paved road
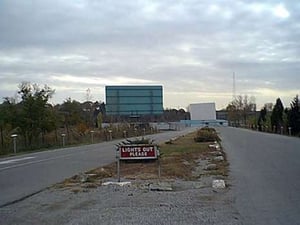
column 265, row 169
column 25, row 175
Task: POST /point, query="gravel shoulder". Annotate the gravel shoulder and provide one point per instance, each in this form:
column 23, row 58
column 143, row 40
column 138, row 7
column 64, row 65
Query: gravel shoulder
column 190, row 202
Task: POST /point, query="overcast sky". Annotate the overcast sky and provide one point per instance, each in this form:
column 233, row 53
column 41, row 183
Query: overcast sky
column 191, row 47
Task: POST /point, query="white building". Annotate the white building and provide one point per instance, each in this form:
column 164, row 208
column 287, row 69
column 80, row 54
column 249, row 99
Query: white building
column 202, row 111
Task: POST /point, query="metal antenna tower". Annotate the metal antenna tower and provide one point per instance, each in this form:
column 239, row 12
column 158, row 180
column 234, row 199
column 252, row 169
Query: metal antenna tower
column 233, row 87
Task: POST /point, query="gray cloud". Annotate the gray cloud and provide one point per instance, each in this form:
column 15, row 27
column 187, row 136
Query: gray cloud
column 188, row 46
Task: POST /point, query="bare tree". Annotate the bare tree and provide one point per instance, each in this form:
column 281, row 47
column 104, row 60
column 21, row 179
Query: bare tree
column 240, row 108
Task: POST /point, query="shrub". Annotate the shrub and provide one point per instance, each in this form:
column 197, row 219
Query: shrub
column 210, row 129
column 138, row 141
column 206, row 134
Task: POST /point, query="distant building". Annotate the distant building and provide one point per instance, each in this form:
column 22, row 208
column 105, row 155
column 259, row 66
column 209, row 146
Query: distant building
column 202, row 111
column 204, row 114
column 134, row 101
column 222, row 115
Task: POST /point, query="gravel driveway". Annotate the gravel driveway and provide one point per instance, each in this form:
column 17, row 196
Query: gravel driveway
column 189, row 202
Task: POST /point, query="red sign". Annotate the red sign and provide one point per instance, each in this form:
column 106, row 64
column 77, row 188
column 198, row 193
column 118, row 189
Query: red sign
column 138, row 152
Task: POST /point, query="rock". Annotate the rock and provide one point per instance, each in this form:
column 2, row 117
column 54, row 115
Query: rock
column 215, row 146
column 218, row 184
column 211, row 167
column 216, row 153
column 117, row 183
column 219, row 158
column 83, row 177
column 186, row 163
column 161, row 186
column 91, row 175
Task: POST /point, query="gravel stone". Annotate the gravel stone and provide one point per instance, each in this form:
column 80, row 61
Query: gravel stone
column 216, row 153
column 219, row 184
column 219, row 158
column 211, row 167
column 161, row 186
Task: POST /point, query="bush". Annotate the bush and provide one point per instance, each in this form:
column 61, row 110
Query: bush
column 138, row 141
column 210, row 129
column 206, row 134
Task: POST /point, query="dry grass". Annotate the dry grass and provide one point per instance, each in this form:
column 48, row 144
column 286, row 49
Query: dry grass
column 179, row 158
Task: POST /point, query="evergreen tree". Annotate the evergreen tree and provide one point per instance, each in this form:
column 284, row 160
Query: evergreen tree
column 293, row 115
column 277, row 115
column 262, row 118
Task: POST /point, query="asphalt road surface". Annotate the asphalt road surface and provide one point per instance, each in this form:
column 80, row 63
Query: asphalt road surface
column 265, row 172
column 25, row 175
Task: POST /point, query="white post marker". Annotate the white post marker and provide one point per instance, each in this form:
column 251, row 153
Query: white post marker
column 63, row 139
column 92, row 135
column 110, row 134
column 14, row 137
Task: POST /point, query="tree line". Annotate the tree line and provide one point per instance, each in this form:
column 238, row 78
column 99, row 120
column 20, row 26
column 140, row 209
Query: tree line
column 272, row 117
column 40, row 124
column 33, row 118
